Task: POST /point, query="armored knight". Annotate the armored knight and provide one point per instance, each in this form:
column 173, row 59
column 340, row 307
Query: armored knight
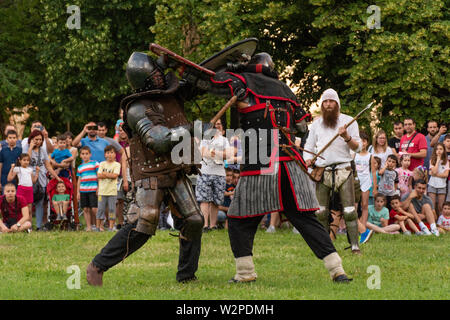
column 267, row 105
column 154, row 119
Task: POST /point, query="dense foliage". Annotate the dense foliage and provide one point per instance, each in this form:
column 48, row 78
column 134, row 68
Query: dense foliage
column 74, row 75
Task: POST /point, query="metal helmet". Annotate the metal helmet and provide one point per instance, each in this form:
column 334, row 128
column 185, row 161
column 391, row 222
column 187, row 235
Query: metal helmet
column 143, row 73
column 263, row 58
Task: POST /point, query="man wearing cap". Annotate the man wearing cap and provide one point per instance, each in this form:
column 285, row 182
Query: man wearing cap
column 338, row 174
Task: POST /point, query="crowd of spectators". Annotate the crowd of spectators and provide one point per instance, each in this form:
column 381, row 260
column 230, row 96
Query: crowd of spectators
column 404, row 182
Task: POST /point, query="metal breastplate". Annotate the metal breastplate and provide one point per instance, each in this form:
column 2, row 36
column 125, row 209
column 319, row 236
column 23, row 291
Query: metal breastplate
column 144, row 162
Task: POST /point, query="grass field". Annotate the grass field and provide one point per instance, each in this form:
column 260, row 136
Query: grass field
column 34, row 266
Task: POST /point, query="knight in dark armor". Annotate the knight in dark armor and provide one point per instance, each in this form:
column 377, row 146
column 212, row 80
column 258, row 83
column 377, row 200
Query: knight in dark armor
column 154, row 120
column 282, row 184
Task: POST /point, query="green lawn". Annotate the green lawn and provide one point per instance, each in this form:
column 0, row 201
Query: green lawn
column 33, row 266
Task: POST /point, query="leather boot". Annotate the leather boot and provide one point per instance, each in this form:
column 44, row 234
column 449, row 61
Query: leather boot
column 94, row 275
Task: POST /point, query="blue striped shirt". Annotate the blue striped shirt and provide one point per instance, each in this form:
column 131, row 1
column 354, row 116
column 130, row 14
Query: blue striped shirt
column 88, row 176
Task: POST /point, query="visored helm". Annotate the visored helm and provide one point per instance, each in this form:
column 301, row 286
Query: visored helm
column 263, row 58
column 143, row 73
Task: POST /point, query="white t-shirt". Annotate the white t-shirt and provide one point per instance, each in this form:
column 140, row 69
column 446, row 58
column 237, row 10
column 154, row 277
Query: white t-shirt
column 24, row 175
column 383, row 155
column 338, row 151
column 214, row 166
column 443, row 221
column 437, row 182
column 25, row 145
column 363, row 169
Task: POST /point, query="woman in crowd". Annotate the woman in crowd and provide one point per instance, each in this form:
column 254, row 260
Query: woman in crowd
column 39, row 158
column 380, row 147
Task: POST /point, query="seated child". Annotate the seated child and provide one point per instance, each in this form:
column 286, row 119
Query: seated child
column 378, row 220
column 401, row 217
column 61, row 201
column 443, row 222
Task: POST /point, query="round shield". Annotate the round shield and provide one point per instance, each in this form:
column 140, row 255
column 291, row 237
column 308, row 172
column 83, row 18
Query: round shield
column 232, row 54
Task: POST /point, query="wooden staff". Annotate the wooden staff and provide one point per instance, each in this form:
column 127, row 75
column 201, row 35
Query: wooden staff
column 223, row 110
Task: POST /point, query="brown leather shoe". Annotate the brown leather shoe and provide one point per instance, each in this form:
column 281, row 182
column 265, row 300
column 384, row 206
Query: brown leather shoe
column 94, row 275
column 356, row 252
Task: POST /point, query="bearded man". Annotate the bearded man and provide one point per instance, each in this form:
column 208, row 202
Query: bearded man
column 338, row 174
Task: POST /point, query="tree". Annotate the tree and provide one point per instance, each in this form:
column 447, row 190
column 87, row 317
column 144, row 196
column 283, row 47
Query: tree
column 85, row 68
column 20, row 72
column 198, row 29
column 403, row 65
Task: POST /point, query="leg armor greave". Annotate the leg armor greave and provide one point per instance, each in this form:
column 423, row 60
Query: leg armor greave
column 149, row 202
column 187, row 208
column 323, row 214
column 351, row 222
column 347, row 195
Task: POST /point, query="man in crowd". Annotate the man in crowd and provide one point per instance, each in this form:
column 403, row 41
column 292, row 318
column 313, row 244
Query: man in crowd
column 413, row 143
column 421, row 206
column 394, row 142
column 442, row 132
column 338, row 174
column 92, row 140
column 432, row 137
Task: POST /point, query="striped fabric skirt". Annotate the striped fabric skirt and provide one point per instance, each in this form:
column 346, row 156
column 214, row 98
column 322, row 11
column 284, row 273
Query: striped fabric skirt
column 261, row 194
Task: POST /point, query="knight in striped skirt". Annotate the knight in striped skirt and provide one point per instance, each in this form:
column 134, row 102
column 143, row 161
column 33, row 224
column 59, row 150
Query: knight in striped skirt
column 273, row 174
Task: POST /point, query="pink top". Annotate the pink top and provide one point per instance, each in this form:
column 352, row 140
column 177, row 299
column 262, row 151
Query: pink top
column 403, row 180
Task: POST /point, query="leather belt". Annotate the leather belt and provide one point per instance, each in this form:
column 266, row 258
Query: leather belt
column 144, row 183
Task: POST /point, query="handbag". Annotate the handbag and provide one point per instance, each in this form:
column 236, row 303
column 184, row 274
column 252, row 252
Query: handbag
column 38, row 190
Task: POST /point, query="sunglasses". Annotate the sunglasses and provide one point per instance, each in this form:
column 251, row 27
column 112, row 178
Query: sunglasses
column 92, row 127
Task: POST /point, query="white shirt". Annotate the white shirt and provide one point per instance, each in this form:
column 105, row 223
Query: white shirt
column 214, row 166
column 24, row 175
column 437, row 182
column 338, row 151
column 25, row 145
column 383, row 156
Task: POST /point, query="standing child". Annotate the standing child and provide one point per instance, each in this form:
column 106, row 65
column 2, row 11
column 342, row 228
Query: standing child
column 364, row 162
column 87, row 186
column 389, row 179
column 26, row 179
column 439, row 169
column 108, row 172
column 375, row 179
column 61, row 201
column 401, row 217
column 443, row 222
column 447, row 149
column 9, row 154
column 405, row 176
